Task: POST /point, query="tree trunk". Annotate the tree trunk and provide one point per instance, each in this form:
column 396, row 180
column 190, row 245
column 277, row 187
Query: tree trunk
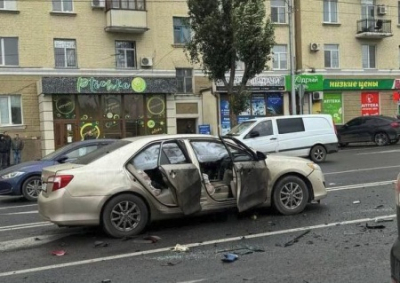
column 232, row 115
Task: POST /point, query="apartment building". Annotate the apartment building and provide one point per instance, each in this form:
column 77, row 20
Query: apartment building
column 116, row 67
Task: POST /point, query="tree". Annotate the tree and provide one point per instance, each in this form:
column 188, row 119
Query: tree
column 225, row 32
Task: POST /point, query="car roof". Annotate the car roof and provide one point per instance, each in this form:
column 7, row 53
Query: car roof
column 168, row 136
column 289, row 116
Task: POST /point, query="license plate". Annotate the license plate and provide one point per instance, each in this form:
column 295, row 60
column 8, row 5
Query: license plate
column 44, row 185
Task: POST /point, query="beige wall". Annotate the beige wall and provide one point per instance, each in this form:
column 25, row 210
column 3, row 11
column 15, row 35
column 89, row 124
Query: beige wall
column 210, row 111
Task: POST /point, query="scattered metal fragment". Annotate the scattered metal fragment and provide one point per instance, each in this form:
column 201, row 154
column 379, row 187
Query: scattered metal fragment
column 379, row 206
column 230, row 257
column 180, row 248
column 106, row 281
column 100, row 244
column 296, row 239
column 374, row 226
column 170, row 263
column 154, row 239
column 356, row 202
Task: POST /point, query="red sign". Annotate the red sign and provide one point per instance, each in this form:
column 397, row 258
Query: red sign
column 396, row 96
column 369, row 103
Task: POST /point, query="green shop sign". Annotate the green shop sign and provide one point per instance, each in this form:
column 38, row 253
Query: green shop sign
column 311, row 82
column 360, row 84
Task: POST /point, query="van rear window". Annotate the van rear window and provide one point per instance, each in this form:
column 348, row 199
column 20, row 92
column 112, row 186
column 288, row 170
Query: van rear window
column 290, row 125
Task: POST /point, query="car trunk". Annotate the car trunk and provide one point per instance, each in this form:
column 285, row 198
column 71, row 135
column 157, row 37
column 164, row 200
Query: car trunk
column 47, row 172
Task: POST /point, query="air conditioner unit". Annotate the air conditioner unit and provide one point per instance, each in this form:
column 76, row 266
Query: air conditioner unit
column 318, row 95
column 146, row 62
column 382, row 10
column 98, row 3
column 314, row 46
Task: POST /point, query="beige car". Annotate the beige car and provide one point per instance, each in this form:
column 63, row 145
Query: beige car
column 128, row 184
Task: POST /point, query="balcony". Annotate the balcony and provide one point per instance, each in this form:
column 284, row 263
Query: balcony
column 374, row 29
column 126, row 21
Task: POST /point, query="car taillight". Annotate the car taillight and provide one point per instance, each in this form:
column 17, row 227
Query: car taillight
column 60, row 181
column 395, row 124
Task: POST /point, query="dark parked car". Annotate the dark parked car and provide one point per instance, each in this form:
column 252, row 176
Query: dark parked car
column 24, row 178
column 382, row 130
column 395, row 251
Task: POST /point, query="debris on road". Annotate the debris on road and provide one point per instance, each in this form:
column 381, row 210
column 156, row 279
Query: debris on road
column 106, row 281
column 356, row 202
column 379, row 206
column 100, row 244
column 59, row 253
column 230, row 257
column 374, row 226
column 383, row 220
column 153, row 239
column 180, row 248
column 37, row 239
column 296, row 239
column 254, row 217
column 170, row 263
column 243, row 250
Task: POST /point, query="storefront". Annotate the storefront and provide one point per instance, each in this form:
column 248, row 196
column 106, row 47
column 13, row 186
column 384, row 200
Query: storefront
column 109, row 107
column 267, row 99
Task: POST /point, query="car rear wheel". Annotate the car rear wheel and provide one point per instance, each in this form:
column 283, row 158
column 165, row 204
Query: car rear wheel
column 290, row 195
column 381, row 139
column 31, row 188
column 124, row 216
column 318, row 153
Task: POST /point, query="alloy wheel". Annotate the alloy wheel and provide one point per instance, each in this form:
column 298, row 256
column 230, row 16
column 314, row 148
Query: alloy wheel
column 125, row 216
column 33, row 188
column 291, row 195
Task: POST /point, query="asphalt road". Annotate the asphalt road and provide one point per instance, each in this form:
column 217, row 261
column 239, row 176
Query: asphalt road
column 329, row 242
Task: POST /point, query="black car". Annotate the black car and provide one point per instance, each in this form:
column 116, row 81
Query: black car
column 382, row 130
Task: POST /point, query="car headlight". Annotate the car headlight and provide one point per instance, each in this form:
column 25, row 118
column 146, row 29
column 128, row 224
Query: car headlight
column 313, row 166
column 12, row 175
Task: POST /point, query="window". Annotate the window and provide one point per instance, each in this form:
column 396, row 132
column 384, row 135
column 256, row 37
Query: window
column 290, row 125
column 173, row 154
column 278, row 11
column 9, row 51
column 147, row 159
column 367, row 9
column 125, row 54
column 331, row 52
column 209, row 151
column 10, row 110
column 181, row 31
column 62, row 6
column 330, row 11
column 368, row 56
column 280, row 57
column 184, row 80
column 8, row 5
column 264, row 129
column 65, row 53
column 2, row 6
column 127, row 4
column 82, row 151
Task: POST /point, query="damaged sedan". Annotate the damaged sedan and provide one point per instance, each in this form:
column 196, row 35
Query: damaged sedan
column 132, row 182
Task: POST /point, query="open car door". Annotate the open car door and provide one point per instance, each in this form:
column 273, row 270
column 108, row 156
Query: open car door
column 181, row 176
column 251, row 174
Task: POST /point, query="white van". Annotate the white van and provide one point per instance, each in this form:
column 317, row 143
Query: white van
column 312, row 136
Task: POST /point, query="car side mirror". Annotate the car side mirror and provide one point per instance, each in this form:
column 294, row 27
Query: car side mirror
column 254, row 134
column 62, row 159
column 260, row 155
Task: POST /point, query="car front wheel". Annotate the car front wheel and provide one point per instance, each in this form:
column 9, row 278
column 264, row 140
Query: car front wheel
column 124, row 216
column 31, row 188
column 290, row 195
column 381, row 139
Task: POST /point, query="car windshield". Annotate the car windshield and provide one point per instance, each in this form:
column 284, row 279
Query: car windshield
column 94, row 155
column 240, row 128
column 56, row 153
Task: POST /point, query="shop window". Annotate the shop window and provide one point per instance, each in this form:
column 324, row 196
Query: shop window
column 62, row 6
column 89, row 106
column 111, row 106
column 65, row 53
column 181, row 30
column 64, row 107
column 126, row 4
column 125, row 54
column 9, row 51
column 278, row 11
column 184, row 79
column 331, row 53
column 290, row 125
column 368, row 56
column 155, row 108
column 330, row 11
column 10, row 110
column 280, row 60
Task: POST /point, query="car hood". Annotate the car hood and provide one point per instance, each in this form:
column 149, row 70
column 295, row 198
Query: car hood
column 30, row 166
column 282, row 158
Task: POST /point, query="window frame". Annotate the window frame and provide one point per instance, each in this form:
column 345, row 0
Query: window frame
column 331, row 48
column 135, row 66
column 289, row 121
column 277, row 57
column 279, row 12
column 3, row 51
column 331, row 5
column 110, row 5
column 65, row 53
column 368, row 59
column 63, row 2
column 185, row 79
column 10, row 110
column 182, row 28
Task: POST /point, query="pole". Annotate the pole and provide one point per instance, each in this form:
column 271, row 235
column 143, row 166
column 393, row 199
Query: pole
column 292, row 55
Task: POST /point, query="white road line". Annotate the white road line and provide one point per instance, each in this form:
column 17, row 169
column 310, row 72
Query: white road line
column 22, row 212
column 193, row 281
column 17, row 206
column 378, row 152
column 192, row 245
column 25, row 226
column 357, row 186
column 361, row 170
column 30, row 242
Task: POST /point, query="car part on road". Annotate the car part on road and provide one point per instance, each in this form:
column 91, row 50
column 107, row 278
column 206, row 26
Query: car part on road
column 381, row 139
column 230, row 257
column 58, row 253
column 318, row 153
column 125, row 215
column 180, row 248
column 31, row 188
column 375, row 226
column 296, row 239
column 290, row 195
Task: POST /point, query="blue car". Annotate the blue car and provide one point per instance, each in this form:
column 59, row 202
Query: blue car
column 25, row 178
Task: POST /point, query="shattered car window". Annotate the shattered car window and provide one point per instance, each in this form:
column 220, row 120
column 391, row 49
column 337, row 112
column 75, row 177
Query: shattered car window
column 208, row 151
column 148, row 158
column 174, row 153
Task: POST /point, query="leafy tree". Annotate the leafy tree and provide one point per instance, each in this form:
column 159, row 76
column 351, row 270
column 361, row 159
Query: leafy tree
column 227, row 31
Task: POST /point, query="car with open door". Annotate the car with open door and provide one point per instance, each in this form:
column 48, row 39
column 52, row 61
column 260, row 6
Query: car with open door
column 134, row 181
column 25, row 178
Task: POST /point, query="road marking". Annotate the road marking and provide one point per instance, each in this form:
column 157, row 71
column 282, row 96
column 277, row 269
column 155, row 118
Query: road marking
column 25, row 226
column 22, row 212
column 378, row 152
column 192, row 245
column 357, row 186
column 361, row 170
column 17, row 206
column 193, row 281
column 30, row 242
